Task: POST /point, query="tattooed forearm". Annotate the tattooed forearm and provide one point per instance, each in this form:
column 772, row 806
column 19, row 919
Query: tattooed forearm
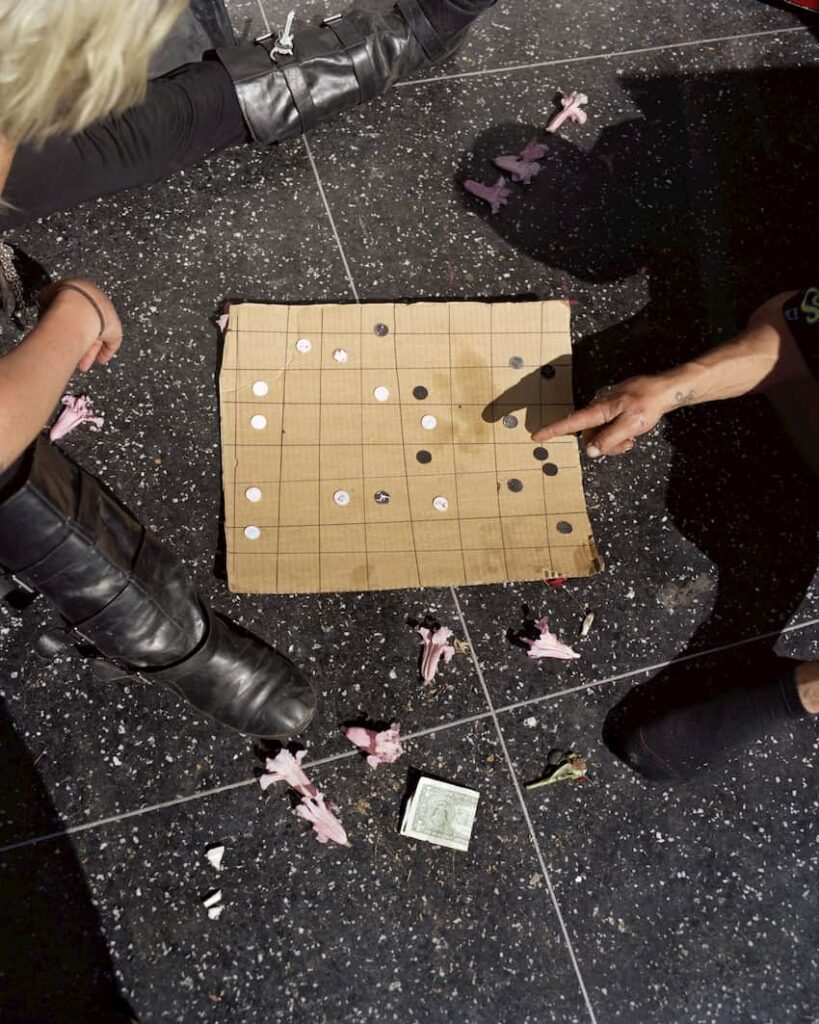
column 683, row 398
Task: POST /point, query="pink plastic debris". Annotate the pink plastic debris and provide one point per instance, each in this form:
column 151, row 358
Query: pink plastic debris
column 496, row 195
column 322, row 817
column 533, row 151
column 222, row 321
column 521, row 171
column 547, row 644
column 77, row 410
column 571, row 111
column 284, row 767
column 436, row 646
column 383, row 746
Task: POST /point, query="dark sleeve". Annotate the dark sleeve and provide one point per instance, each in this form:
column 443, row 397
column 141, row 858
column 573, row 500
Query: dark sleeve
column 802, row 316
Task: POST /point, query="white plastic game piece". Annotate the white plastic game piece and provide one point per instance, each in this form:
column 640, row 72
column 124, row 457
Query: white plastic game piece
column 260, row 388
column 381, row 393
column 440, row 504
column 258, row 422
column 252, row 532
column 429, row 422
column 341, row 498
column 215, row 855
column 340, row 355
column 253, row 494
column 304, row 345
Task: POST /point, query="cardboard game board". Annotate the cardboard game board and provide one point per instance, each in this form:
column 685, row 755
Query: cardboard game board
column 379, row 446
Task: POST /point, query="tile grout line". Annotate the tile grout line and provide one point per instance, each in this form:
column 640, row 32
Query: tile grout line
column 418, row 734
column 329, row 213
column 487, row 698
column 660, row 664
column 603, row 55
column 525, row 809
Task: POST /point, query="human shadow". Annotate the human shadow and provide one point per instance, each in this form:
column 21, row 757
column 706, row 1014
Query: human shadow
column 54, row 962
column 710, row 198
column 533, row 394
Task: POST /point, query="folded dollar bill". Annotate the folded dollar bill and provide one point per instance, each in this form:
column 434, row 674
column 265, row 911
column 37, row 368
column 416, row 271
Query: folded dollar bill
column 441, row 813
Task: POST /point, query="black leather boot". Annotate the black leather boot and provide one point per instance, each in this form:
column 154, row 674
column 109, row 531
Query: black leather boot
column 286, row 85
column 124, row 594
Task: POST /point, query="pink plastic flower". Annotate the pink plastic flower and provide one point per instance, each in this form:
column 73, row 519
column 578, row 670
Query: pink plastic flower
column 571, row 111
column 522, row 171
column 321, row 816
column 496, row 195
column 77, row 410
column 436, row 646
column 286, row 768
column 383, row 746
column 547, row 644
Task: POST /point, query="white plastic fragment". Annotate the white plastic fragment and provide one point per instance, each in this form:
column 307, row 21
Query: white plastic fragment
column 212, row 899
column 588, row 622
column 214, row 913
column 215, row 855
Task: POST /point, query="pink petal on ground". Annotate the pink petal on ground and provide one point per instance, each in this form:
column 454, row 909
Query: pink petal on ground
column 383, row 746
column 77, row 410
column 496, row 195
column 571, row 111
column 547, row 644
column 436, row 646
column 325, row 824
column 533, row 151
column 286, row 768
column 522, row 171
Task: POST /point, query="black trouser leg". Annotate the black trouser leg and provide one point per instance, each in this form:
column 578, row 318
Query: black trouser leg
column 186, row 115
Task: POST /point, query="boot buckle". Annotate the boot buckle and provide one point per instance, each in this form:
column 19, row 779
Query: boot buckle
column 284, row 42
column 283, row 45
column 9, row 583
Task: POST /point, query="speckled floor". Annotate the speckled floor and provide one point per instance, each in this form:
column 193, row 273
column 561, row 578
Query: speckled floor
column 687, row 199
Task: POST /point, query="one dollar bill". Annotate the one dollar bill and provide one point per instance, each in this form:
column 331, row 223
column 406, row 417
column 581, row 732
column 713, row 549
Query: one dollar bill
column 441, row 813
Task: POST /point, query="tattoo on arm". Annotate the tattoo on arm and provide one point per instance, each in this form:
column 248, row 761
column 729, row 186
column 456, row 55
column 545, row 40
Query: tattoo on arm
column 681, row 398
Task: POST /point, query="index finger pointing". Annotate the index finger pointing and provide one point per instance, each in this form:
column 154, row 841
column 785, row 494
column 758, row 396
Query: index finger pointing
column 584, row 419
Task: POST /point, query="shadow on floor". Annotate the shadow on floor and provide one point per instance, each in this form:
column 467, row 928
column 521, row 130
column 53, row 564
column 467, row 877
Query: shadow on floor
column 54, row 964
column 711, row 193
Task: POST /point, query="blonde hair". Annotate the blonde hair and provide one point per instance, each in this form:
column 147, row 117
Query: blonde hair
column 67, row 63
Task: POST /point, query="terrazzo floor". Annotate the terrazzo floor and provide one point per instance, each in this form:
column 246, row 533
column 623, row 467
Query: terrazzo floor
column 687, row 199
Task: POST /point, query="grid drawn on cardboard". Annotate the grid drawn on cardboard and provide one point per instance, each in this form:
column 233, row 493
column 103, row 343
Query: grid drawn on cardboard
column 325, row 431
